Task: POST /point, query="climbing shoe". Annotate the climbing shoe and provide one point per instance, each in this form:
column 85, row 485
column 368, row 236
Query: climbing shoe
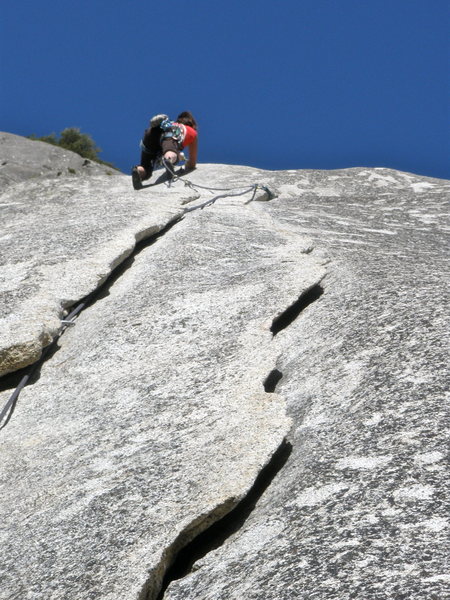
column 136, row 178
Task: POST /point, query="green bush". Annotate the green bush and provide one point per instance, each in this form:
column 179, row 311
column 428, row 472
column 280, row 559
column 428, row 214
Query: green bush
column 50, row 139
column 81, row 143
column 72, row 139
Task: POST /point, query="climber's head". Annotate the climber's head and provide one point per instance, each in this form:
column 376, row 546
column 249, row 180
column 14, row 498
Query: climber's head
column 187, row 118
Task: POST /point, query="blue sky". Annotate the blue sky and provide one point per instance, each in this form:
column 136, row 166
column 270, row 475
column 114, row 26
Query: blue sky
column 285, row 84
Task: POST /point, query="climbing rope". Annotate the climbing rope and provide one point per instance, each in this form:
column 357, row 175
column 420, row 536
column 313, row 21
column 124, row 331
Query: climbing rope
column 174, row 177
column 212, row 200
column 9, row 407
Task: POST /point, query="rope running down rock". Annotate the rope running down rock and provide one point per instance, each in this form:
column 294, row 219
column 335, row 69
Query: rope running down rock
column 174, row 177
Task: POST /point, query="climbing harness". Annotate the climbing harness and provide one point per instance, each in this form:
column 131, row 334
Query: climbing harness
column 172, row 130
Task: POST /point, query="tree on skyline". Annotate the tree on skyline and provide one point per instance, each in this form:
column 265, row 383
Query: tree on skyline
column 72, row 139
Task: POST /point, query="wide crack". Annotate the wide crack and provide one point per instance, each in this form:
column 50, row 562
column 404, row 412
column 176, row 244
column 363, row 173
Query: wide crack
column 272, row 380
column 29, row 375
column 290, row 314
column 217, row 533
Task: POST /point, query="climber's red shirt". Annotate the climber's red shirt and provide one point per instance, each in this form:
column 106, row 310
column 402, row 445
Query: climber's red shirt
column 189, row 134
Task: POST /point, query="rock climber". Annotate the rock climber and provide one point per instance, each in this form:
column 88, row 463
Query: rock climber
column 165, row 138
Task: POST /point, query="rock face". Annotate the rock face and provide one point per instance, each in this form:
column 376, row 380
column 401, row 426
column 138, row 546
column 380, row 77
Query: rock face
column 360, row 509
column 22, row 159
column 154, row 414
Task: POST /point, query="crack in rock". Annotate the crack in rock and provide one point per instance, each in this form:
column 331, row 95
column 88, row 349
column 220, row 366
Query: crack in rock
column 272, row 381
column 290, row 314
column 128, row 440
column 30, row 374
column 185, row 555
column 215, row 535
column 68, row 237
column 359, row 510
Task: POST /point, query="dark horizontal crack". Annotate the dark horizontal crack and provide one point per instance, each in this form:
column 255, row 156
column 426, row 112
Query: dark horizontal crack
column 221, row 530
column 290, row 314
column 272, row 380
column 29, row 375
